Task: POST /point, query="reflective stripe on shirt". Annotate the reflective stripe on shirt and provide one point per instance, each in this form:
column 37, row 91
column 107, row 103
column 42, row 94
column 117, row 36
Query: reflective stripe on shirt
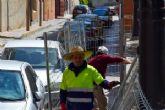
column 79, row 90
column 84, row 100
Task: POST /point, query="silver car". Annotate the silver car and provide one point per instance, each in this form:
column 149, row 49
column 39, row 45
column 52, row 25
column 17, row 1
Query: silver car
column 20, row 88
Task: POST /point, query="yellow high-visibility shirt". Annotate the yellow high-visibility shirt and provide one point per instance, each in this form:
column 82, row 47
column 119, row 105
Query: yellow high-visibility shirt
column 84, row 80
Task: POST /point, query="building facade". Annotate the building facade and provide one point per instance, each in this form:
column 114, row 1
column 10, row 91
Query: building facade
column 12, row 14
column 15, row 14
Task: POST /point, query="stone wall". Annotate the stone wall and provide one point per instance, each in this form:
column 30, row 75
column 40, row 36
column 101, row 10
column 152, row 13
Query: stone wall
column 12, row 14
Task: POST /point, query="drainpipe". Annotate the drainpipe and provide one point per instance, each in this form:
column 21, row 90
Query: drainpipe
column 0, row 16
column 40, row 12
column 27, row 16
column 43, row 1
column 152, row 52
column 7, row 15
column 30, row 12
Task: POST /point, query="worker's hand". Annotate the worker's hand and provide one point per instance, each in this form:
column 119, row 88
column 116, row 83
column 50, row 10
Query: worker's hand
column 63, row 107
column 113, row 83
column 125, row 61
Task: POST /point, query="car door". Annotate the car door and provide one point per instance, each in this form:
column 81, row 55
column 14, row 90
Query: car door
column 36, row 86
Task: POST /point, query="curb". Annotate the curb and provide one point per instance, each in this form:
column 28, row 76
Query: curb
column 21, row 33
column 27, row 33
column 18, row 35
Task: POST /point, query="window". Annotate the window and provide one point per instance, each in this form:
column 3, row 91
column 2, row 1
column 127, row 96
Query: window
column 32, row 77
column 11, row 86
column 33, row 55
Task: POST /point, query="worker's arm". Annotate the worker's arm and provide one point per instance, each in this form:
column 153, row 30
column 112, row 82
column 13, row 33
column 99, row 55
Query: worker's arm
column 63, row 93
column 116, row 59
column 99, row 80
column 108, row 85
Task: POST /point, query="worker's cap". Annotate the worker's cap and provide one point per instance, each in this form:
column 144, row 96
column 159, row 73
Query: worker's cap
column 77, row 50
column 102, row 49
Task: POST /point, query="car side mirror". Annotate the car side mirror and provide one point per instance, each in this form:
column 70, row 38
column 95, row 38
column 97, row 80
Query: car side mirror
column 37, row 96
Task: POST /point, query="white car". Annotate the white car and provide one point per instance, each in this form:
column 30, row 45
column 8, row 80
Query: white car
column 20, row 87
column 33, row 52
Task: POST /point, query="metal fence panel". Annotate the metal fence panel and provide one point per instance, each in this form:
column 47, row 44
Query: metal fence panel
column 74, row 34
column 130, row 95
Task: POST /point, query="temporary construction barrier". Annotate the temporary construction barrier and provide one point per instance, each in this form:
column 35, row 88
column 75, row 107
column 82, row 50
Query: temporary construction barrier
column 130, row 95
column 74, row 34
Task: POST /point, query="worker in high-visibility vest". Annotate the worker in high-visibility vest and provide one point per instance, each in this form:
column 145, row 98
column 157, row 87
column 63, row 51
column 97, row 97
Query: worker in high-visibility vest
column 76, row 89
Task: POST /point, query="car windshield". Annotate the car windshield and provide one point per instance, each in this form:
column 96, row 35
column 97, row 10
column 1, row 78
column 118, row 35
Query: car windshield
column 100, row 12
column 11, row 86
column 33, row 55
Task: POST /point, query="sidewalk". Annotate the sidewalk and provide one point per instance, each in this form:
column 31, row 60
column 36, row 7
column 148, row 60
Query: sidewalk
column 21, row 33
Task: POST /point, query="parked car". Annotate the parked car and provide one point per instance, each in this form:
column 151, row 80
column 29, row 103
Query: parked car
column 104, row 15
column 20, row 87
column 93, row 25
column 80, row 9
column 33, row 52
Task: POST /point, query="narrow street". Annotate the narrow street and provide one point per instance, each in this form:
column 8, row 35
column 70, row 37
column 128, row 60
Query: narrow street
column 42, row 66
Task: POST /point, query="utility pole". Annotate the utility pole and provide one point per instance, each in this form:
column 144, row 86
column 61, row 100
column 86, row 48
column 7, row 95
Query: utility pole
column 152, row 52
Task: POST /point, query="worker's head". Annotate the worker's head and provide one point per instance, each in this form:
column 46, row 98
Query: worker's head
column 102, row 50
column 77, row 55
